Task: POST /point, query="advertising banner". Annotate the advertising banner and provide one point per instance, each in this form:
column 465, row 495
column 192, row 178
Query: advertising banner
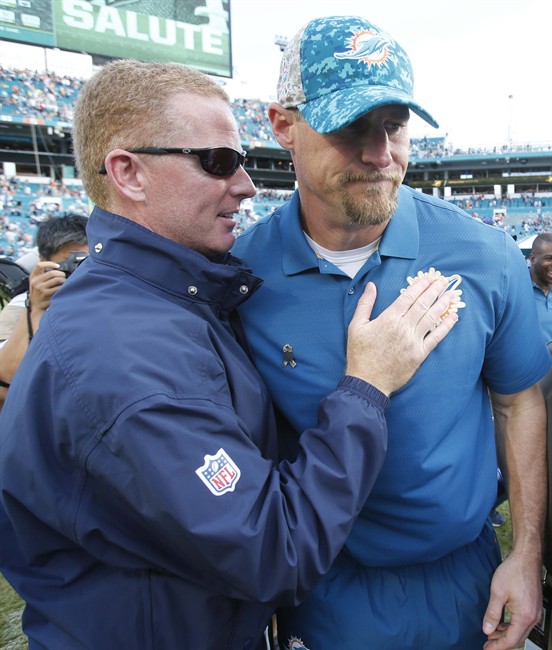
column 193, row 32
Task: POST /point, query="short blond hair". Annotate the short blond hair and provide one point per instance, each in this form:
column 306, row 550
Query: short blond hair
column 124, row 105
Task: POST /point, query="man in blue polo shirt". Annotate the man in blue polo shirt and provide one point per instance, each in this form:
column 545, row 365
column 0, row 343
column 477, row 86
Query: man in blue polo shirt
column 541, row 276
column 421, row 568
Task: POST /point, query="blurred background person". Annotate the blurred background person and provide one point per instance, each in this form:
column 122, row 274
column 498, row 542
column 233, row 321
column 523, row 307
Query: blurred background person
column 541, row 276
column 61, row 241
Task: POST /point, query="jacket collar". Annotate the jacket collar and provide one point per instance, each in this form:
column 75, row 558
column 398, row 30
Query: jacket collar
column 171, row 267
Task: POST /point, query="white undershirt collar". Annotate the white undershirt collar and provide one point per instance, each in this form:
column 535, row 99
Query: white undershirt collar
column 350, row 262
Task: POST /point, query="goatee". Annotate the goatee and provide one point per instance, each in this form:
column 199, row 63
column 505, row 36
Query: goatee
column 376, row 204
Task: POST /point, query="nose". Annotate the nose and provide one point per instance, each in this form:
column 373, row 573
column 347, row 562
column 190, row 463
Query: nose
column 375, row 147
column 242, row 185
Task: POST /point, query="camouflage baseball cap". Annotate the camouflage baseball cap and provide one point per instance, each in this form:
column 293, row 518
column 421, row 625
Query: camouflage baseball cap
column 338, row 68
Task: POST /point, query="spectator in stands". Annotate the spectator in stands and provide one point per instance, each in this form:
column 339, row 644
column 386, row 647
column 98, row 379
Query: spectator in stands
column 57, row 239
column 417, row 569
column 161, row 512
column 541, row 276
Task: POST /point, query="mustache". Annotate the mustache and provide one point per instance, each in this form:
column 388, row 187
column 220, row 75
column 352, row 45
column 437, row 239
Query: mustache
column 370, row 177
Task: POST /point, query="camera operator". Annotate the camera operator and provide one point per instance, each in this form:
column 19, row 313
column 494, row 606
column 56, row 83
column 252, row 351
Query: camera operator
column 62, row 244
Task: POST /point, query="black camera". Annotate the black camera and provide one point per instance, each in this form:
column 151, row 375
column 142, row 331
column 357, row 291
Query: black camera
column 70, row 263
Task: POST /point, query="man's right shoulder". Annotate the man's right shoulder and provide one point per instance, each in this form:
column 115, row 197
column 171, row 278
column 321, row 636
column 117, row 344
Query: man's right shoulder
column 261, row 230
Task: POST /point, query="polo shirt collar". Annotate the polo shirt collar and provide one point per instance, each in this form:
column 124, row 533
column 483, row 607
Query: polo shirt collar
column 537, row 286
column 297, row 255
column 400, row 239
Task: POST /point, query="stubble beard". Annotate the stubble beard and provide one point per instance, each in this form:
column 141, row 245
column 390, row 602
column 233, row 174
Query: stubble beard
column 376, row 204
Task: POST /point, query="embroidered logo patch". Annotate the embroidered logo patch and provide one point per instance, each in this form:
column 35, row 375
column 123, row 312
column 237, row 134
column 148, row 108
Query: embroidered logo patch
column 453, row 282
column 368, row 46
column 219, row 473
column 296, row 644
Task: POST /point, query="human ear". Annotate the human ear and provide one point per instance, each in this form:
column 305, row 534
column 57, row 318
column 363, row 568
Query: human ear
column 125, row 172
column 282, row 121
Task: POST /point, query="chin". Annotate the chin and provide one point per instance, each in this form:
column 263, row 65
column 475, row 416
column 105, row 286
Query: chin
column 222, row 248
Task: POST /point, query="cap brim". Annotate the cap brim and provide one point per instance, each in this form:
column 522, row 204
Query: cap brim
column 337, row 110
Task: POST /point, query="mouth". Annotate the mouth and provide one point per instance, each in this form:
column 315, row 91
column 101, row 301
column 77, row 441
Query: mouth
column 370, row 184
column 371, row 178
column 228, row 221
column 368, row 181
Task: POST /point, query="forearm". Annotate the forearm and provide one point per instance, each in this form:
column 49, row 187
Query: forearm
column 13, row 350
column 520, row 422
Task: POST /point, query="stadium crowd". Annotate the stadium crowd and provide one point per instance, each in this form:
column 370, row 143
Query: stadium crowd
column 43, row 95
column 50, row 98
column 25, row 204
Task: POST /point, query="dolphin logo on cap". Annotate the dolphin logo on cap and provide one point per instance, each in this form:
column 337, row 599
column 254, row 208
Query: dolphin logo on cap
column 367, row 46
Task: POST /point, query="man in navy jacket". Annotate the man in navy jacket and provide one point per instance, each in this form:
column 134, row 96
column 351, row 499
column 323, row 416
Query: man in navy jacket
column 142, row 501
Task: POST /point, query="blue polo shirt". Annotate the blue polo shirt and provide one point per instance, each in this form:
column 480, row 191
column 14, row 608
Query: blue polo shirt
column 544, row 311
column 438, row 483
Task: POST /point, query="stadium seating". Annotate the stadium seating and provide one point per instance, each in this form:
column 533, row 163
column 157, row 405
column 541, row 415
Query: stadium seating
column 49, row 99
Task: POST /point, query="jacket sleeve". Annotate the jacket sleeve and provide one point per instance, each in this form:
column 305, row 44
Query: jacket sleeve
column 178, row 484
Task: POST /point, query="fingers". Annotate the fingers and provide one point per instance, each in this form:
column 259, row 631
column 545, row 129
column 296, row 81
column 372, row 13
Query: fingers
column 44, row 267
column 434, row 315
column 44, row 282
column 47, row 283
column 493, row 615
column 386, row 351
column 430, row 308
column 43, row 275
column 439, row 332
column 501, row 636
column 365, row 305
column 506, row 636
column 426, row 298
column 419, row 296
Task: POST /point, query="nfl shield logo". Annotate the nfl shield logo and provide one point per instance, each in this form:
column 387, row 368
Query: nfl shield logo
column 219, row 473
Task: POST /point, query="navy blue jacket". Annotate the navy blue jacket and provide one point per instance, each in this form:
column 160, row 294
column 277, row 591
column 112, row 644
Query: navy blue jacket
column 142, row 502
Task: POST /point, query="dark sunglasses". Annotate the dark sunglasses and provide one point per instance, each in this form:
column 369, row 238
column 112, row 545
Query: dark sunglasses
column 218, row 161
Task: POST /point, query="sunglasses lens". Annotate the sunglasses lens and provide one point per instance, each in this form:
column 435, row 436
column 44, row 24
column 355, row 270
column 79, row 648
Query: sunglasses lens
column 221, row 162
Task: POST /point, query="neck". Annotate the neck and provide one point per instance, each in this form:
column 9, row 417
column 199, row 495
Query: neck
column 336, row 237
